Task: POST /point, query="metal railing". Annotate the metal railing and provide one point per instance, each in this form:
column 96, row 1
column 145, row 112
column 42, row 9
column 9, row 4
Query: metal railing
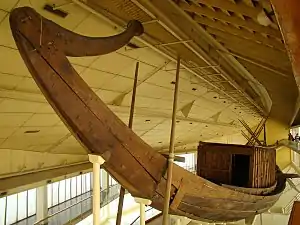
column 149, row 213
column 288, row 208
column 74, row 213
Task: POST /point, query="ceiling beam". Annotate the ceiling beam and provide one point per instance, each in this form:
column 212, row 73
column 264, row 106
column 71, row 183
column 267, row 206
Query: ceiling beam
column 253, row 50
column 244, row 33
column 239, row 7
column 249, row 24
column 267, row 67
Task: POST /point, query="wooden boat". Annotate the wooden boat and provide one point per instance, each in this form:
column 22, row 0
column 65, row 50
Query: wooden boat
column 44, row 46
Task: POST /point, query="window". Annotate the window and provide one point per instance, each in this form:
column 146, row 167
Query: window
column 11, row 212
column 88, row 181
column 22, row 205
column 62, row 191
column 68, row 189
column 49, row 195
column 31, row 202
column 55, row 187
column 2, row 210
column 73, row 187
column 79, row 183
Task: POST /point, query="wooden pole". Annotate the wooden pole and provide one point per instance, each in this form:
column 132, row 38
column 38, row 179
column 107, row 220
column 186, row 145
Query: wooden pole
column 122, row 190
column 265, row 135
column 171, row 149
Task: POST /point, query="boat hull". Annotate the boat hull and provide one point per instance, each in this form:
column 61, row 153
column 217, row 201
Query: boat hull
column 131, row 161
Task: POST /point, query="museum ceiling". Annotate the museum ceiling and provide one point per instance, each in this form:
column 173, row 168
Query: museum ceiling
column 232, row 67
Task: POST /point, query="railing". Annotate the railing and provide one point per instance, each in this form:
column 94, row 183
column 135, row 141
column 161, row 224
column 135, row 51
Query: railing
column 80, row 209
column 288, row 208
column 149, row 213
column 291, row 144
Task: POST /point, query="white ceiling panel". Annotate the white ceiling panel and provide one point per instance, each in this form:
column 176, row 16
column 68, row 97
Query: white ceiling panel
column 13, row 119
column 28, row 85
column 163, row 79
column 144, row 70
column 8, row 81
column 107, row 96
column 119, row 84
column 6, row 35
column 113, row 63
column 68, row 146
column 42, row 120
column 5, row 132
column 93, row 26
column 11, row 62
column 11, row 105
column 26, row 142
column 7, row 5
column 95, row 78
column 83, row 61
column 146, row 55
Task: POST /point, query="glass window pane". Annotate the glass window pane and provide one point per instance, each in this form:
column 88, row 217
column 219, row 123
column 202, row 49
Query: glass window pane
column 88, row 181
column 62, row 191
column 83, row 183
column 22, row 205
column 31, row 202
column 113, row 182
column 78, row 185
column 11, row 209
column 68, row 189
column 55, row 193
column 73, row 187
column 2, row 210
column 49, row 195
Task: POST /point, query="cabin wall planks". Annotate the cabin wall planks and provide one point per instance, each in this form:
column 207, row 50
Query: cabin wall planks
column 220, row 163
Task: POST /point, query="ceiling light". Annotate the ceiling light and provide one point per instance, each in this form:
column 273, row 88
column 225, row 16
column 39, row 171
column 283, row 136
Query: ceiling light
column 31, row 131
column 53, row 10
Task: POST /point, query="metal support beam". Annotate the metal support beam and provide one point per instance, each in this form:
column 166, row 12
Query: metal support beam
column 122, row 190
column 162, row 44
column 171, row 150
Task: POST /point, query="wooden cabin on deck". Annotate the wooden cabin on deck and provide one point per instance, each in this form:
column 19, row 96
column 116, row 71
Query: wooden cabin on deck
column 237, row 165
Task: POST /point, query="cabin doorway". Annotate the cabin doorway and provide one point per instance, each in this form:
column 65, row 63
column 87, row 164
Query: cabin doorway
column 240, row 170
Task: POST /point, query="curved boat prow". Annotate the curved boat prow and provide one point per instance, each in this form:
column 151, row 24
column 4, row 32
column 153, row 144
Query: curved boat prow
column 44, row 46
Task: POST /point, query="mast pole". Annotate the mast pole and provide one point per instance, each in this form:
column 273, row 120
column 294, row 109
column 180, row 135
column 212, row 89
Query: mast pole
column 122, row 190
column 171, row 149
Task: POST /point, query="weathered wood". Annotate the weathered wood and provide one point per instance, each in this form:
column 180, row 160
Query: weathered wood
column 295, row 214
column 133, row 163
column 287, row 14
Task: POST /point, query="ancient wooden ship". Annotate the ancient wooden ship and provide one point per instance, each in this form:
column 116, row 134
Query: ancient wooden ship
column 233, row 182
